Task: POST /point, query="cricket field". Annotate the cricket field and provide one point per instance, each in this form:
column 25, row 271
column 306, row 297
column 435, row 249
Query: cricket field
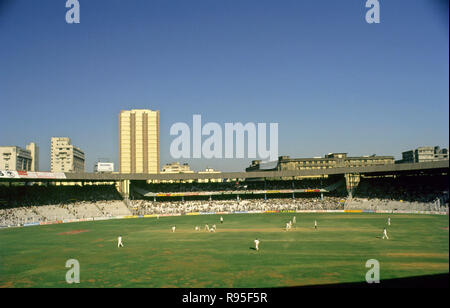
column 154, row 256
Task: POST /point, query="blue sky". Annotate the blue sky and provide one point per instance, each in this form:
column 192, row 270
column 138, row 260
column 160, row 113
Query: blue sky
column 333, row 82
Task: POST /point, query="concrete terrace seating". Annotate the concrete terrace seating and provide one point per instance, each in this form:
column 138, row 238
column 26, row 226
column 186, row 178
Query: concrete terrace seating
column 54, row 212
column 85, row 210
column 45, row 213
column 27, row 215
column 113, row 208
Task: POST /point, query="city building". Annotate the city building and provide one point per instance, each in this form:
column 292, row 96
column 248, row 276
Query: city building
column 139, row 141
column 34, row 151
column 104, row 167
column 15, row 158
column 331, row 160
column 209, row 171
column 424, row 154
column 66, row 157
column 176, row 167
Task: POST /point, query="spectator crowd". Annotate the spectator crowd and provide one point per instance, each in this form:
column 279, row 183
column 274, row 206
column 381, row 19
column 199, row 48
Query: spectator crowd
column 145, row 207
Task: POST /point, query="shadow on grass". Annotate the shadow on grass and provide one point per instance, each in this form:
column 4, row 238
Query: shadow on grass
column 427, row 281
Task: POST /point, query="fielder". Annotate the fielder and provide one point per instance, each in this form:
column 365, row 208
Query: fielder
column 389, row 221
column 315, row 224
column 385, row 234
column 294, row 220
column 257, row 244
column 221, row 219
column 197, row 228
column 173, row 229
column 119, row 241
column 206, row 227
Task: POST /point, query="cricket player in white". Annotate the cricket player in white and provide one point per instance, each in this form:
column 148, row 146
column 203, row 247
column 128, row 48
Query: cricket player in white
column 221, row 219
column 294, row 220
column 389, row 221
column 206, row 227
column 119, row 241
column 173, row 229
column 287, row 226
column 385, row 234
column 197, row 228
column 257, row 244
column 315, row 224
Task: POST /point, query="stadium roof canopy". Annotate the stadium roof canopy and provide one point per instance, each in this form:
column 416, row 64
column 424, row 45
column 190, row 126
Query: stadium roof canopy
column 381, row 169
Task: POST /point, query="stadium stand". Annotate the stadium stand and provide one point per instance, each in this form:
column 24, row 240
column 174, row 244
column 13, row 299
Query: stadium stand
column 416, row 193
column 31, row 204
column 40, row 204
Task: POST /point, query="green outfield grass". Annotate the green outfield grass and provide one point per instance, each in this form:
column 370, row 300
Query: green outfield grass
column 153, row 256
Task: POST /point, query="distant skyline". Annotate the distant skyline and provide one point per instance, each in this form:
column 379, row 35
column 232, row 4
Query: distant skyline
column 333, row 82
